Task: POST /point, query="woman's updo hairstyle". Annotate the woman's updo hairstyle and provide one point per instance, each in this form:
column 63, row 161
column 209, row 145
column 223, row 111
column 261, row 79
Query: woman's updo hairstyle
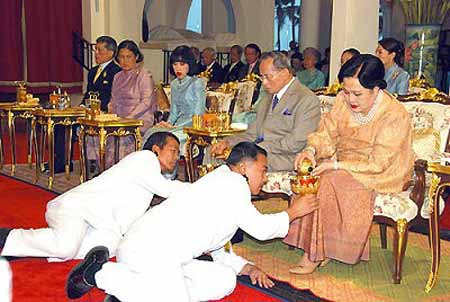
column 183, row 54
column 131, row 46
column 367, row 68
column 394, row 46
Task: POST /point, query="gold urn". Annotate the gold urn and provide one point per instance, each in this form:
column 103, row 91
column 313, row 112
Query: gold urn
column 304, row 182
column 21, row 92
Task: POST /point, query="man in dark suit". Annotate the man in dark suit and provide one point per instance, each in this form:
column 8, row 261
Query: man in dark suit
column 252, row 53
column 209, row 62
column 198, row 60
column 100, row 79
column 233, row 69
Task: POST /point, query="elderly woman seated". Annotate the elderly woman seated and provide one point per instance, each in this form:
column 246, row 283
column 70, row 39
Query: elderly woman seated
column 311, row 77
column 362, row 147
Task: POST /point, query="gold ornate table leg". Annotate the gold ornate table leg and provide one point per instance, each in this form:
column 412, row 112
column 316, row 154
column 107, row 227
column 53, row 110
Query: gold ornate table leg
column 102, row 143
column 68, row 147
column 36, row 150
column 29, row 141
column 83, row 161
column 434, row 191
column 138, row 139
column 1, row 142
column 189, row 160
column 12, row 138
column 40, row 149
column 51, row 151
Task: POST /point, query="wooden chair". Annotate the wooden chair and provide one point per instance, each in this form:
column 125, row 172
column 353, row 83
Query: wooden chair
column 430, row 117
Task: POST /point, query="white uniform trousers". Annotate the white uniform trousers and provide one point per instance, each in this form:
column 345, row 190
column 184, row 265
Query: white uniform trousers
column 6, row 280
column 66, row 238
column 165, row 282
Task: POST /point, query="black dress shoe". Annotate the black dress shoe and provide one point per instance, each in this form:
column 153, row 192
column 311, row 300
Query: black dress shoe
column 81, row 278
column 4, row 232
column 111, row 298
column 58, row 168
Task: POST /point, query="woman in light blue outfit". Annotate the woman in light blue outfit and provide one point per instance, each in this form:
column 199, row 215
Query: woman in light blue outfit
column 311, row 77
column 187, row 93
column 391, row 52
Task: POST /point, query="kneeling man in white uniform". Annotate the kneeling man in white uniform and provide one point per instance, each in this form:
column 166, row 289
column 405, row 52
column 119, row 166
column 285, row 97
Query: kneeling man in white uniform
column 100, row 211
column 156, row 260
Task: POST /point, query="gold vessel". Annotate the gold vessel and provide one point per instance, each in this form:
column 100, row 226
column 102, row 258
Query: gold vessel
column 304, row 182
column 21, row 92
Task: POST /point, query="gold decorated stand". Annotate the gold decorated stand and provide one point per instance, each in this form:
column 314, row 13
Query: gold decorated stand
column 116, row 127
column 440, row 180
column 202, row 137
column 12, row 111
column 47, row 119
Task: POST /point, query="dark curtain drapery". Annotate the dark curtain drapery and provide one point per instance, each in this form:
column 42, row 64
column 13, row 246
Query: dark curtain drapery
column 49, row 27
column 11, row 59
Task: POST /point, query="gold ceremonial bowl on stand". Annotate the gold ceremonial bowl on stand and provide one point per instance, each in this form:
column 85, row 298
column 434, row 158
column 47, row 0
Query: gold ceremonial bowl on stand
column 306, row 184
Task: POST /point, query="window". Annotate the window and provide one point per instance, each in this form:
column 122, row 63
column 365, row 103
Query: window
column 194, row 20
column 287, row 23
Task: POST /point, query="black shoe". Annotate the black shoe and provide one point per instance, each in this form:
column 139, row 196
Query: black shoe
column 111, row 298
column 58, row 168
column 81, row 278
column 4, row 232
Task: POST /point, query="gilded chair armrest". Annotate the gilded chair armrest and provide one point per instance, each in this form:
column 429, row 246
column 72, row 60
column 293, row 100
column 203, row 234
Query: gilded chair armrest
column 419, row 190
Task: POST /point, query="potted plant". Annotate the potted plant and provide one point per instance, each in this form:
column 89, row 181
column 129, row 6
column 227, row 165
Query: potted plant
column 423, row 26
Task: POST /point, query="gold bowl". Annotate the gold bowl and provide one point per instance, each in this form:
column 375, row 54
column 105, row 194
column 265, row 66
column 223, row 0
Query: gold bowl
column 304, row 185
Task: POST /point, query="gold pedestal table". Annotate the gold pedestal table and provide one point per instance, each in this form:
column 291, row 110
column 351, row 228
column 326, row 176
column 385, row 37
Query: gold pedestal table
column 103, row 129
column 12, row 111
column 202, row 137
column 47, row 119
column 439, row 181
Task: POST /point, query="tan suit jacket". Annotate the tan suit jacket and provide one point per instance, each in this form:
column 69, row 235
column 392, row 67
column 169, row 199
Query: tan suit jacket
column 286, row 128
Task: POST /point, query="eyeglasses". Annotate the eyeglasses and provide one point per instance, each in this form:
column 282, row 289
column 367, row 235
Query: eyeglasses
column 270, row 76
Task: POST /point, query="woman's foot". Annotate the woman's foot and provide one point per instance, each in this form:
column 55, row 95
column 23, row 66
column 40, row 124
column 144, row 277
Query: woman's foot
column 305, row 266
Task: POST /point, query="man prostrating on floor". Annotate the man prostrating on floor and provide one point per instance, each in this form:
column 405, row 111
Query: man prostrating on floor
column 156, row 259
column 100, row 211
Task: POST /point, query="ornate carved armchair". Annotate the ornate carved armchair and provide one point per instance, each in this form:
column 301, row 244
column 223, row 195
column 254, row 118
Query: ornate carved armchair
column 430, row 114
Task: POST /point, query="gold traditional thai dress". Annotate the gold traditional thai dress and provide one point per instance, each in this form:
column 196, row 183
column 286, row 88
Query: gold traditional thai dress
column 377, row 156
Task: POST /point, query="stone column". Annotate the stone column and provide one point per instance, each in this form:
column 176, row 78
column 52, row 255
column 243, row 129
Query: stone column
column 310, row 16
column 354, row 24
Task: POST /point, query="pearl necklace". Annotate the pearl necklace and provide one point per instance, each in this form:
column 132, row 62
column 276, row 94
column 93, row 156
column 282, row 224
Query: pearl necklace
column 365, row 119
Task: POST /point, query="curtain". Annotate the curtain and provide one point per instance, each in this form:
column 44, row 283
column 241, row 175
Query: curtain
column 11, row 59
column 49, row 27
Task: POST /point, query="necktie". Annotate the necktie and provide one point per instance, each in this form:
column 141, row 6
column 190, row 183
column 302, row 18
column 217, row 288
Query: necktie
column 275, row 102
column 97, row 74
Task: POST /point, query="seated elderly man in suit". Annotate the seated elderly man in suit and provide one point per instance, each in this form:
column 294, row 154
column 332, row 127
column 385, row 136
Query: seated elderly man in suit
column 100, row 79
column 210, row 64
column 233, row 69
column 287, row 113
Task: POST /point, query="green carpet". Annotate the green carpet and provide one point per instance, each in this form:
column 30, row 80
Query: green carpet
column 366, row 281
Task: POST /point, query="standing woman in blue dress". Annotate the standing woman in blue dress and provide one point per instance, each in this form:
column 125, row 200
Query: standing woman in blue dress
column 392, row 52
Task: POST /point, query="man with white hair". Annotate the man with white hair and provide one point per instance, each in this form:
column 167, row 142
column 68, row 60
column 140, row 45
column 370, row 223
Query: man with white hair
column 210, row 64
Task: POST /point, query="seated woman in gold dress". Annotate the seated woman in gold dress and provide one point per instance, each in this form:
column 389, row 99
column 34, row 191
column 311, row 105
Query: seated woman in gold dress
column 362, row 147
